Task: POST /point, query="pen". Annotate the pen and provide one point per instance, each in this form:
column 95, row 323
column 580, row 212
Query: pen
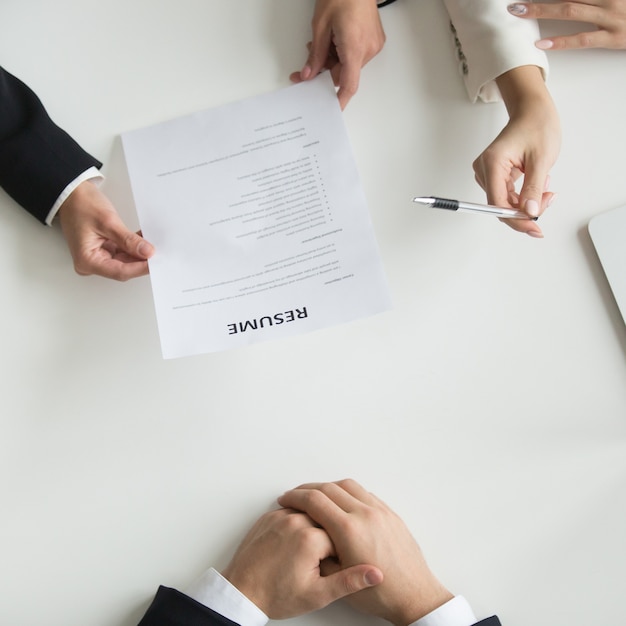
column 470, row 207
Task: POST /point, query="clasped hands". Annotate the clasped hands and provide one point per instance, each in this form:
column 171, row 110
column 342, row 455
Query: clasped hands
column 332, row 541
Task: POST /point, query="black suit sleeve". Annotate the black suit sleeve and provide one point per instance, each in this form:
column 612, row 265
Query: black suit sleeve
column 173, row 608
column 37, row 159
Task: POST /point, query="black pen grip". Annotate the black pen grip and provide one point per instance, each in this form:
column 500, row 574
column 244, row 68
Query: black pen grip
column 442, row 203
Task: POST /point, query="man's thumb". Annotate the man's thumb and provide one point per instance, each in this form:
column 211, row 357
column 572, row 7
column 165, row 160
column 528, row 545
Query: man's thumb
column 347, row 581
column 131, row 243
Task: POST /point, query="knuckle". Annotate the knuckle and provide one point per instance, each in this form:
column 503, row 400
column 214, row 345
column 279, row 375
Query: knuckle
column 82, row 263
column 325, row 488
column 349, row 89
column 315, row 56
column 585, row 40
column 533, row 190
column 306, row 535
column 350, row 585
column 314, row 498
column 347, row 483
column 275, row 514
column 571, row 11
column 290, row 523
column 107, row 220
column 119, row 275
column 348, row 526
column 487, row 160
column 373, row 516
column 130, row 240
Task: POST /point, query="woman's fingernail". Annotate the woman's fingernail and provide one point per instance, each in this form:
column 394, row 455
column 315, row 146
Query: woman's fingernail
column 535, row 233
column 544, row 44
column 551, row 199
column 306, row 72
column 518, row 9
column 532, row 208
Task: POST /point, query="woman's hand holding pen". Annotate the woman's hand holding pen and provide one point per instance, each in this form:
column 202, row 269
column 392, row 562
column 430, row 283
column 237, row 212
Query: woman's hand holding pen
column 346, row 35
column 528, row 146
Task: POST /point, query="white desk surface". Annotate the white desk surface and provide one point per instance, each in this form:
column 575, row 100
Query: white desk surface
column 488, row 408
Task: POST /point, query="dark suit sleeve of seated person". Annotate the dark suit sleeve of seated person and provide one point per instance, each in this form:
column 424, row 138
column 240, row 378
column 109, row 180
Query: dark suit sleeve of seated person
column 173, row 608
column 37, row 158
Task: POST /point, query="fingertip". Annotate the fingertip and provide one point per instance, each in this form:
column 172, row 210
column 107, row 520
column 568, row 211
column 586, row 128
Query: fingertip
column 345, row 582
column 536, row 234
column 306, row 72
column 343, row 100
column 120, row 271
column 517, row 9
column 348, row 78
column 284, row 499
column 523, row 226
column 373, row 577
column 345, row 94
column 145, row 249
column 139, row 269
column 550, row 197
column 544, row 44
column 530, row 228
column 532, row 208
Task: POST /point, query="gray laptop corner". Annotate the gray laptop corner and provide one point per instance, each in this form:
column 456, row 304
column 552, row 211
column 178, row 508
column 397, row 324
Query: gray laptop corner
column 608, row 233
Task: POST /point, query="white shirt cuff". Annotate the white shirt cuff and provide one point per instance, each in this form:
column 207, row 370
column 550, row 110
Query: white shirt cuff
column 490, row 41
column 93, row 173
column 455, row 612
column 218, row 594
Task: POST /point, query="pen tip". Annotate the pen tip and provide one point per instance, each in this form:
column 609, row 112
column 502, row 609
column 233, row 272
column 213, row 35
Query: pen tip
column 424, row 201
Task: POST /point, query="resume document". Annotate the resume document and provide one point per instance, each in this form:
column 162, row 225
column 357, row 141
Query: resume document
column 259, row 221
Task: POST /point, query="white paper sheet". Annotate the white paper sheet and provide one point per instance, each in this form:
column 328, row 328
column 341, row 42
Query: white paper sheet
column 259, row 221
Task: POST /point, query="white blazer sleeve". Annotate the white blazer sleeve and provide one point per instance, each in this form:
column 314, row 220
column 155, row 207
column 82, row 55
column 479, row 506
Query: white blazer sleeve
column 489, row 42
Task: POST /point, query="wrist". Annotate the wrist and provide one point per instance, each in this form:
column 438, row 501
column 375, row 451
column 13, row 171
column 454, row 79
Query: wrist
column 215, row 592
column 79, row 197
column 426, row 601
column 245, row 585
column 523, row 88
